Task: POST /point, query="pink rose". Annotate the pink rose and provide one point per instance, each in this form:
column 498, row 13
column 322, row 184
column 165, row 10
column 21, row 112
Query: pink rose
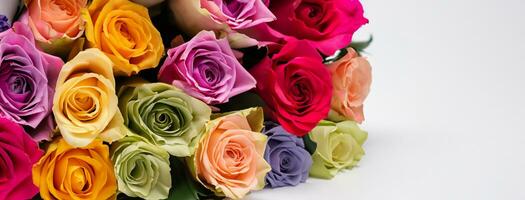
column 238, row 14
column 351, row 77
column 18, row 154
column 327, row 24
column 206, row 68
column 193, row 16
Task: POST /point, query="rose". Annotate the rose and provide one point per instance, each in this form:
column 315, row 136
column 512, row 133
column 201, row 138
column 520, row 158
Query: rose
column 142, row 169
column 229, row 158
column 164, row 115
column 66, row 172
column 85, row 103
column 27, row 82
column 193, row 16
column 338, row 147
column 18, row 153
column 225, row 17
column 206, row 69
column 351, row 77
column 55, row 23
column 326, row 25
column 288, row 157
column 124, row 32
column 295, row 85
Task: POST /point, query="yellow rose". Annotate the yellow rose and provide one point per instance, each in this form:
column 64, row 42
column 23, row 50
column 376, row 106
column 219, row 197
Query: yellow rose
column 85, row 102
column 66, row 172
column 124, row 32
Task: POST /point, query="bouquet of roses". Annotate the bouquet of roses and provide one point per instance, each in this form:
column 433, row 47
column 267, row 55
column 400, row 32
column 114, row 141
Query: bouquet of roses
column 177, row 99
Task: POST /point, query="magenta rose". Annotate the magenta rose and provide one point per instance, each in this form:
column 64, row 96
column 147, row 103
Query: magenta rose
column 27, row 81
column 206, row 68
column 295, row 85
column 328, row 25
column 18, row 154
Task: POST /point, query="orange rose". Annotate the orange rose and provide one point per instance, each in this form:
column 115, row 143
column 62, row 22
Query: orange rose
column 229, row 158
column 124, row 32
column 65, row 172
column 351, row 77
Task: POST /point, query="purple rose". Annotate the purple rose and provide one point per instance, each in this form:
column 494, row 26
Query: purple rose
column 206, row 69
column 27, row 82
column 287, row 155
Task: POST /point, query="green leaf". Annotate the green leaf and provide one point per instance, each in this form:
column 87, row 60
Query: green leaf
column 309, row 145
column 184, row 186
column 361, row 45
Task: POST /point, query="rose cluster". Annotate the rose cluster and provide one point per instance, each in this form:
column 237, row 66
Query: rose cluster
column 177, row 99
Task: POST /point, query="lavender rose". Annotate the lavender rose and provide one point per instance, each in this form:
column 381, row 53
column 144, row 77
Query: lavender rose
column 288, row 157
column 206, row 69
column 27, row 81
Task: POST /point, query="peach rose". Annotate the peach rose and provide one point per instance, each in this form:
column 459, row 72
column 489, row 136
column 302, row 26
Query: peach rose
column 229, row 158
column 55, row 22
column 351, row 77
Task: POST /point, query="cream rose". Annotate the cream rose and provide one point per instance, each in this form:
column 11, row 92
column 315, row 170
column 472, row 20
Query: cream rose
column 85, row 102
column 339, row 147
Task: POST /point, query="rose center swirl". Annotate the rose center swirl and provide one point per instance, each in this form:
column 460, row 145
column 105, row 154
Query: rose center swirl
column 166, row 118
column 83, row 103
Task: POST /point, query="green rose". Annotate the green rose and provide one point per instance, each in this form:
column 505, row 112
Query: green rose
column 338, row 147
column 164, row 115
column 142, row 169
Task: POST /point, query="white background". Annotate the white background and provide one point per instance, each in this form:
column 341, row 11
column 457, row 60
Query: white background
column 446, row 116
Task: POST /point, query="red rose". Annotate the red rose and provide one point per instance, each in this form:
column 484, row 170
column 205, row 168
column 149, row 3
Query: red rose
column 295, row 85
column 328, row 25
